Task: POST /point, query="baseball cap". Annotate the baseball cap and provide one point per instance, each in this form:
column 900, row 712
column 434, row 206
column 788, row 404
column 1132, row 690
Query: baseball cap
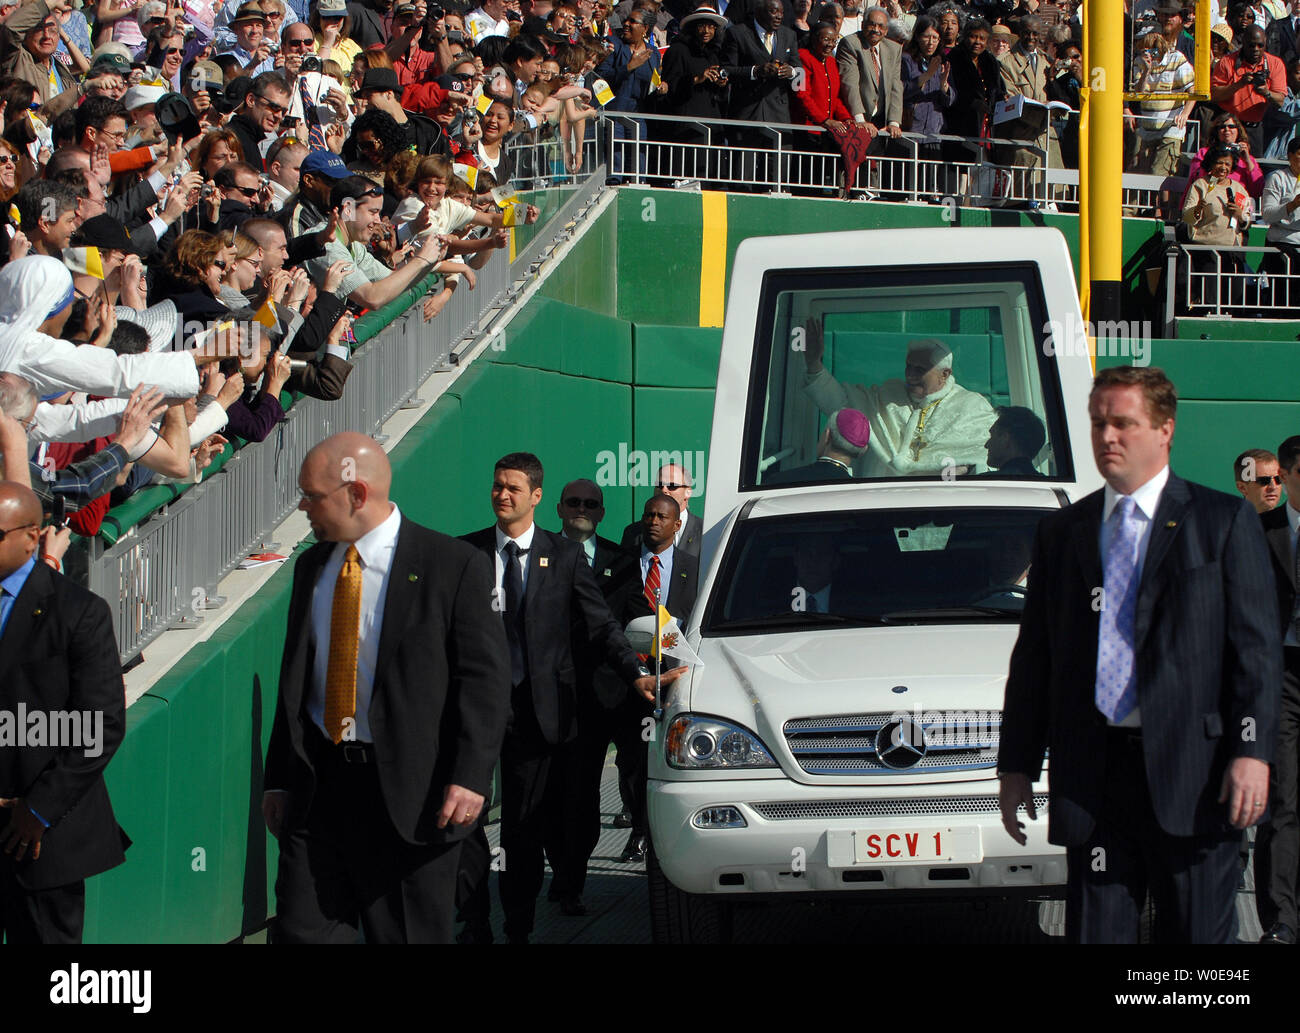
column 332, row 8
column 139, row 96
column 110, row 62
column 325, row 163
column 104, row 232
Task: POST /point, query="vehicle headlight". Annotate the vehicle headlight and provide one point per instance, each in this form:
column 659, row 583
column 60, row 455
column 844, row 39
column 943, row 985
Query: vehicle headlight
column 697, row 742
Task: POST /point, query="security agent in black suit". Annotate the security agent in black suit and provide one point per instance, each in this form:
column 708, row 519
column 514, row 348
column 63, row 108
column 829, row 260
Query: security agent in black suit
column 1277, row 844
column 679, row 576
column 1017, row 435
column 1146, row 795
column 380, row 759
column 543, row 586
column 760, row 76
column 57, row 656
column 603, row 698
column 673, row 480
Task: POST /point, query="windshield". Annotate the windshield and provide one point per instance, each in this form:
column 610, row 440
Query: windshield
column 942, row 369
column 874, row 567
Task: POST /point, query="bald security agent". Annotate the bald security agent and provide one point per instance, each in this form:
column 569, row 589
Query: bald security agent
column 1150, row 663
column 393, row 697
column 58, row 656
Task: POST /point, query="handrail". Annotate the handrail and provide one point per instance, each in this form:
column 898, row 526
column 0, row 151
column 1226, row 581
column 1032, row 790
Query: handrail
column 160, row 568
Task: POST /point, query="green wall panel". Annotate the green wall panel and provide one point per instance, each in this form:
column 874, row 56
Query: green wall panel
column 553, row 335
column 672, row 420
column 1211, row 434
column 659, row 241
column 676, row 356
column 1237, row 329
column 587, row 275
column 125, row 905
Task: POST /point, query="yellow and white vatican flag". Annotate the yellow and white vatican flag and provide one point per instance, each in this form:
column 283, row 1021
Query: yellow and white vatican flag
column 84, row 260
column 672, row 641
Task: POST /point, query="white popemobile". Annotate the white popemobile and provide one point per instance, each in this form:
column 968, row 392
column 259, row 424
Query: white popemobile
column 858, row 613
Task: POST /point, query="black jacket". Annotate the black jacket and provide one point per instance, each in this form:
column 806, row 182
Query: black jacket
column 561, row 594
column 441, row 692
column 58, row 653
column 1208, row 657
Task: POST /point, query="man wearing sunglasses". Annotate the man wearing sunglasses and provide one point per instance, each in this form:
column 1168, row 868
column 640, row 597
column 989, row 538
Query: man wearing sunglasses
column 242, row 196
column 257, row 125
column 1259, row 479
column 673, row 480
column 56, row 822
column 1277, row 842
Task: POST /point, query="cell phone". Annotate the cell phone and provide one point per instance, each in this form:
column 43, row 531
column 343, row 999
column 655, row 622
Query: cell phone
column 59, row 513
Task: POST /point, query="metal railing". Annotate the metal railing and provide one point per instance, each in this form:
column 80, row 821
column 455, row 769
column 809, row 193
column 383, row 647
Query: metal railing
column 163, row 572
column 1209, row 280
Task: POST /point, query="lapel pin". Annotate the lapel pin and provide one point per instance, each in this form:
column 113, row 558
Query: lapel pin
column 37, row 612
column 608, row 572
column 1171, row 524
column 543, row 561
column 412, row 577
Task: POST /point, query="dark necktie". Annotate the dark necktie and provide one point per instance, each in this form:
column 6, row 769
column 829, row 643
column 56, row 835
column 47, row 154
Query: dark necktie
column 514, row 617
column 813, row 605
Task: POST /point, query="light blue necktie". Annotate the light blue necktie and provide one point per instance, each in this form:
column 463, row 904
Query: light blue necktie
column 1116, row 675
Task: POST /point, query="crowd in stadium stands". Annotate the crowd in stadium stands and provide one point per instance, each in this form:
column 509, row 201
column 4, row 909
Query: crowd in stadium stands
column 209, row 191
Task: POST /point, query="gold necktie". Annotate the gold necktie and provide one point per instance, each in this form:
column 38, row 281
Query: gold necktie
column 345, row 628
column 767, row 41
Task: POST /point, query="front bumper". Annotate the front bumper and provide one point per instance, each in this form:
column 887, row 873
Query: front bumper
column 814, row 839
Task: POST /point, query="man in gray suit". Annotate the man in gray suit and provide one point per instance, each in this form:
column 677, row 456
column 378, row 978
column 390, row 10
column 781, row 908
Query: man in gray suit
column 871, row 79
column 1024, row 72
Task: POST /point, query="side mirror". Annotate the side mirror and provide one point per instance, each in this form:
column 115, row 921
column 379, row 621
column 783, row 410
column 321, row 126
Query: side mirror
column 640, row 632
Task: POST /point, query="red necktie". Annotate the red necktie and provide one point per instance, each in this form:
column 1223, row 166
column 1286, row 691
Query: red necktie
column 652, row 585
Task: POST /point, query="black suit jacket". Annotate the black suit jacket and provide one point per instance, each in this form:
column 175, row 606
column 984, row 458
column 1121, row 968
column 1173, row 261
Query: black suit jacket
column 758, row 100
column 679, row 599
column 818, row 471
column 1277, row 532
column 1281, row 39
column 1208, row 658
column 692, row 534
column 561, row 595
column 58, row 653
column 616, row 574
column 441, row 692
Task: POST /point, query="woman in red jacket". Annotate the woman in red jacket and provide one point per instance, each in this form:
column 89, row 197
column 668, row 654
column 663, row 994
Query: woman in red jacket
column 817, row 103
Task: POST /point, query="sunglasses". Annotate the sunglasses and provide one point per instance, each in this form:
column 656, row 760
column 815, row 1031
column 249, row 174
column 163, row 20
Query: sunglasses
column 1264, row 482
column 20, row 527
column 576, row 503
column 304, row 43
column 8, row 159
column 278, row 109
column 172, row 51
column 220, row 264
column 671, row 485
column 246, row 191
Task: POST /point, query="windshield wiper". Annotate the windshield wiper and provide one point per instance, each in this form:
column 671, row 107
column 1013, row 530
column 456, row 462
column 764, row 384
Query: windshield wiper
column 953, row 611
column 799, row 620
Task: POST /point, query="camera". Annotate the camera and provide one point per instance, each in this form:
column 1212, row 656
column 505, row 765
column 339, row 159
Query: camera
column 311, row 63
column 1235, row 149
column 435, row 11
column 206, row 191
column 1259, row 78
column 273, row 47
column 455, row 36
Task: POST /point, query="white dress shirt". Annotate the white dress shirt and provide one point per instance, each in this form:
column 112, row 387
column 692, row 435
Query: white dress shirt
column 665, row 571
column 683, row 516
column 525, row 542
column 375, row 549
column 1146, row 499
column 1293, row 522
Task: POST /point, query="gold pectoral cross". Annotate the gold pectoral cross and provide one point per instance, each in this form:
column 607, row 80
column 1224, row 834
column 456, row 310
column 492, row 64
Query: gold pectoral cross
column 918, row 439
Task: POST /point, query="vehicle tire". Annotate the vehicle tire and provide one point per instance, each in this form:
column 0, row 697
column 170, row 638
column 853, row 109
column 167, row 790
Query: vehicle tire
column 677, row 917
column 1147, row 922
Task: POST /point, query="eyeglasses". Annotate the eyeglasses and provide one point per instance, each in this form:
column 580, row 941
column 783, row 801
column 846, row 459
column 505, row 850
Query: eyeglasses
column 671, row 485
column 119, row 137
column 1264, row 482
column 311, row 498
column 20, row 527
column 278, row 109
column 576, row 503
